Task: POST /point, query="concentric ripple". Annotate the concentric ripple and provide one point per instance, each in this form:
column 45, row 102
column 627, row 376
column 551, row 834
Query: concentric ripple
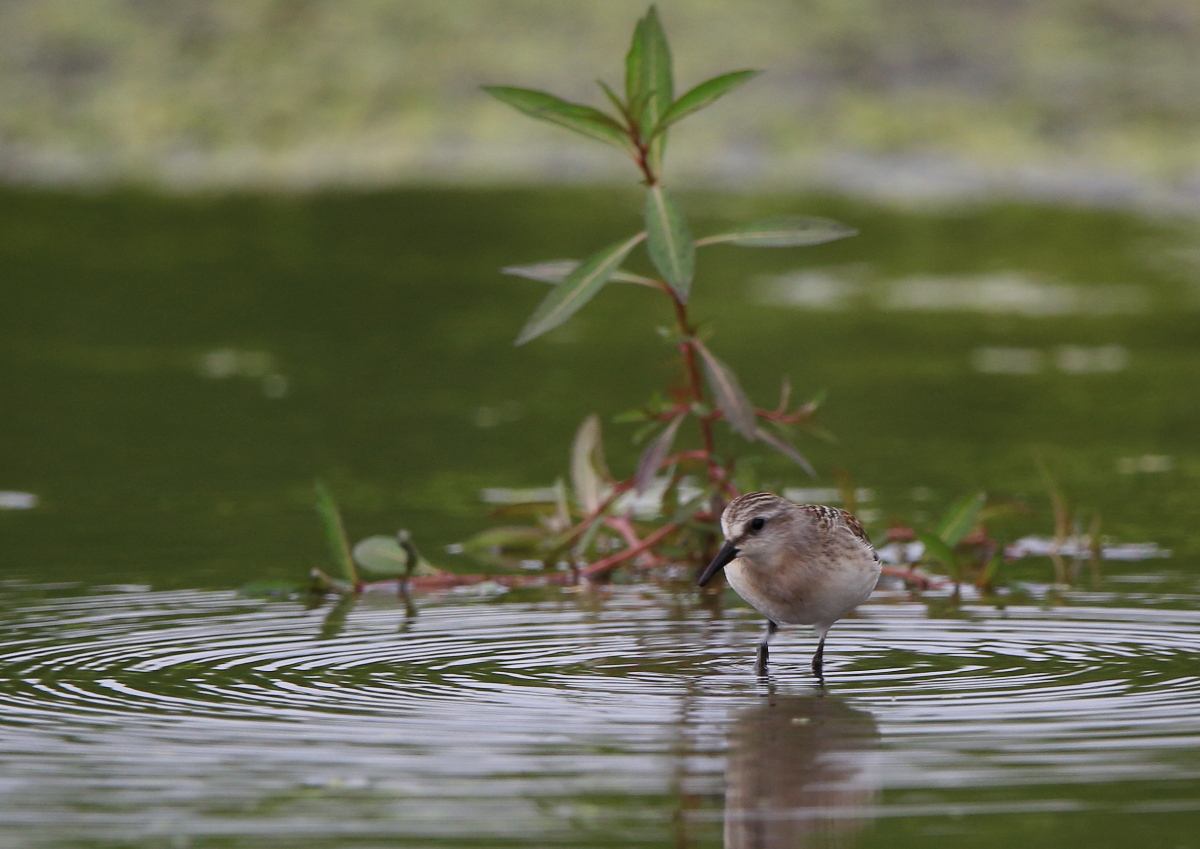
column 234, row 718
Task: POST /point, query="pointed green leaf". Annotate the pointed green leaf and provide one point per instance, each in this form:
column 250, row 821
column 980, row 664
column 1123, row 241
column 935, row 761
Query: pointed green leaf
column 574, row 116
column 936, row 549
column 785, row 232
column 652, row 458
column 579, row 287
column 613, row 98
column 556, row 271
column 701, row 96
column 728, row 391
column 649, row 81
column 335, row 532
column 550, row 271
column 961, row 518
column 669, row 242
column 787, row 450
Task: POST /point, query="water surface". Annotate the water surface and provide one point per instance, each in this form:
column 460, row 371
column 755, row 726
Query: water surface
column 176, row 373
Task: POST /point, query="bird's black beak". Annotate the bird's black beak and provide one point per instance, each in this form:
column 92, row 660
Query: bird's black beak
column 724, row 556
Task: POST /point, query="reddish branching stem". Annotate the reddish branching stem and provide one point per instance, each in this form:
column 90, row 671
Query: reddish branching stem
column 602, row 567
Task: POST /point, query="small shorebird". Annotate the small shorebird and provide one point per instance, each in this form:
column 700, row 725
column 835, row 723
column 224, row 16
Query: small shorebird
column 797, row 564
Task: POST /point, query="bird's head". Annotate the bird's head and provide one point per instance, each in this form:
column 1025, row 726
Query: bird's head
column 754, row 524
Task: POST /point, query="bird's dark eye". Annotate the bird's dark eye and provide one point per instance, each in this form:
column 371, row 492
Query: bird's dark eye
column 756, row 524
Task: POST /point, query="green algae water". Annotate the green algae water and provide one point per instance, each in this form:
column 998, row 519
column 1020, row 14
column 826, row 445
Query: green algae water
column 176, row 372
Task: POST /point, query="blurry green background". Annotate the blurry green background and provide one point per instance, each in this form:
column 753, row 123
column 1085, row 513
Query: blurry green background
column 1082, row 99
column 244, row 244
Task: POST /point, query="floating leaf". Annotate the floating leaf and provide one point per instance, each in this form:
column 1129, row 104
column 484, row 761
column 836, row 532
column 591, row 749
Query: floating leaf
column 388, row 555
column 787, row 450
column 335, row 532
column 961, row 518
column 669, row 242
column 579, row 287
column 652, row 458
column 730, row 398
column 701, row 96
column 557, row 270
column 574, row 116
column 588, row 472
column 382, row 555
column 786, row 232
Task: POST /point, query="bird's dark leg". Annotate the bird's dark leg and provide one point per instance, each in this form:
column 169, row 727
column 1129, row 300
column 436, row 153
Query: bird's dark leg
column 760, row 665
column 818, row 658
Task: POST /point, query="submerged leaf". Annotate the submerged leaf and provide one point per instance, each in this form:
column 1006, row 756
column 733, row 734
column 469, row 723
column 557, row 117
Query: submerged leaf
column 787, row 450
column 524, row 539
column 574, row 116
column 588, row 471
column 655, row 453
column 785, row 232
column 669, row 242
column 729, row 394
column 579, row 287
column 335, row 532
column 701, row 96
column 961, row 518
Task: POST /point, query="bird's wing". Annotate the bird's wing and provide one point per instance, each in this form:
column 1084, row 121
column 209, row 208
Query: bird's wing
column 830, row 518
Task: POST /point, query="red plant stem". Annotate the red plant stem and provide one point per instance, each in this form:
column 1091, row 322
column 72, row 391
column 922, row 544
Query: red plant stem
column 642, row 158
column 609, row 563
column 619, row 489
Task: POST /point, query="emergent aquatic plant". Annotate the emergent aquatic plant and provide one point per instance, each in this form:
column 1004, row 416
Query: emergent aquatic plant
column 690, row 485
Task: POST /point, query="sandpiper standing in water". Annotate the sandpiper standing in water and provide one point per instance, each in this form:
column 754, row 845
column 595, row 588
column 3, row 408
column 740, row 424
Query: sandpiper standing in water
column 797, row 564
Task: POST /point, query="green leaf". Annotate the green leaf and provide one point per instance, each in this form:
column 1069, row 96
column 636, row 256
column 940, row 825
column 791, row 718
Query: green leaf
column 649, row 81
column 961, row 518
column 574, row 116
column 648, row 72
column 391, row 556
column 784, row 232
column 787, row 450
column 506, row 539
column 613, row 98
column 691, row 507
column 728, row 391
column 579, row 287
column 557, row 270
column 701, row 96
column 652, row 458
column 669, row 242
column 382, row 555
column 936, row 549
column 588, row 471
column 335, row 532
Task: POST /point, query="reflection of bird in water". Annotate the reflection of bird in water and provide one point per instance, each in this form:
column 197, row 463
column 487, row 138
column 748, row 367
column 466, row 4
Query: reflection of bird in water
column 799, row 771
column 800, row 564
